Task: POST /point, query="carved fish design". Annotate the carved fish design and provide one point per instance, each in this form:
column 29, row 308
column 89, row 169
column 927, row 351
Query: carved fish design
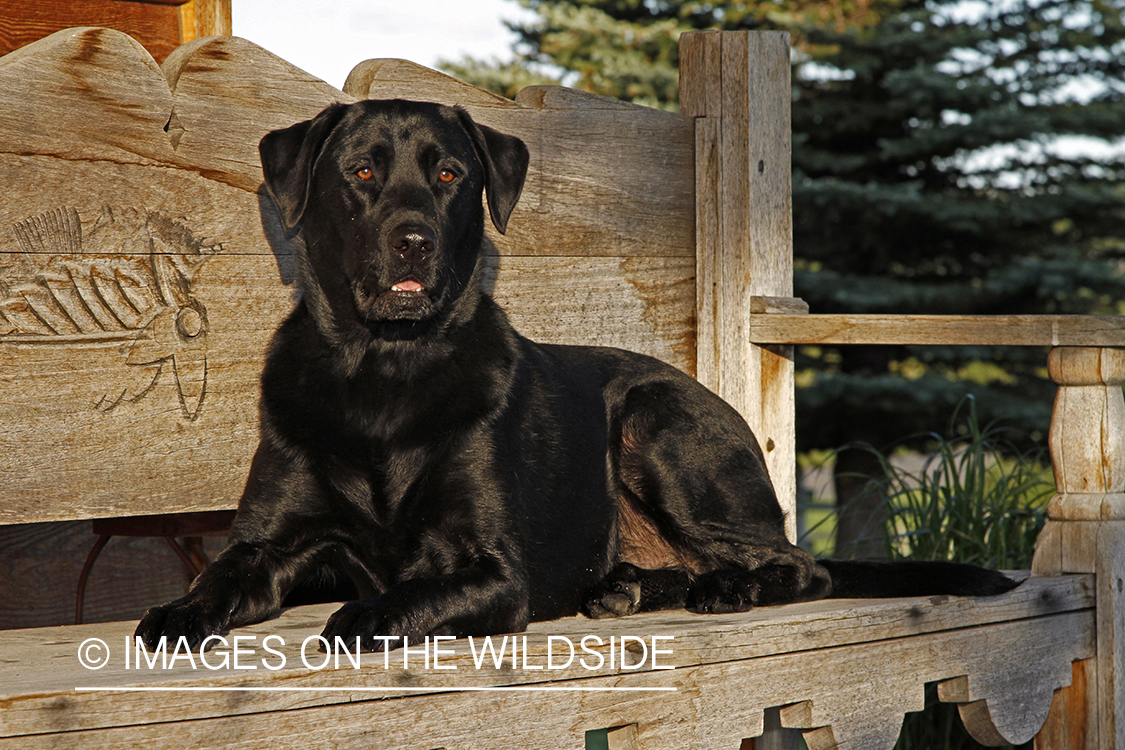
column 128, row 280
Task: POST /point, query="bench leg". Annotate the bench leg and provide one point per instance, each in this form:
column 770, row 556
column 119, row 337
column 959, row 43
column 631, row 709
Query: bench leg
column 85, row 574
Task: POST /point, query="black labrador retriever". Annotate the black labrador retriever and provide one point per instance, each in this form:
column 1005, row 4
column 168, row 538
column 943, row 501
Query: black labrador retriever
column 467, row 479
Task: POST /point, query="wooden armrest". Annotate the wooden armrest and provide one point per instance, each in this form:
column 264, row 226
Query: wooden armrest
column 939, row 330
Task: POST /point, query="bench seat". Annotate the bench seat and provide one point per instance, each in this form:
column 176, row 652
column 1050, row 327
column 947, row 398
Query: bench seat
column 822, row 661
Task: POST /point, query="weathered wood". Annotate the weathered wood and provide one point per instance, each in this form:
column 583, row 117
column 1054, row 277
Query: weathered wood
column 642, row 304
column 729, row 669
column 1086, row 527
column 1088, row 428
column 228, row 94
column 744, row 237
column 778, row 306
column 1110, row 572
column 940, row 330
column 1072, row 719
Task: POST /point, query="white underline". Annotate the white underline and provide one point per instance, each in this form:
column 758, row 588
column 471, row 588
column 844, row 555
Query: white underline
column 396, row 688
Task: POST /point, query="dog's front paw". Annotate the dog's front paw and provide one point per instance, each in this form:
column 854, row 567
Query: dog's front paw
column 376, row 628
column 722, row 591
column 190, row 620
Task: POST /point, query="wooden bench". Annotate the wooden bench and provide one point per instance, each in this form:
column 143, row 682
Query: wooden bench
column 144, row 270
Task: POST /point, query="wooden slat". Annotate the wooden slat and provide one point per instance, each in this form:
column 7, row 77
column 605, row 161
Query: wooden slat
column 728, row 667
column 1110, row 689
column 203, row 18
column 641, row 304
column 940, row 330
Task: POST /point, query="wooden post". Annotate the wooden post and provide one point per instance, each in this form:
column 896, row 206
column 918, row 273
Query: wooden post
column 737, row 86
column 203, row 18
column 1085, row 531
column 160, row 25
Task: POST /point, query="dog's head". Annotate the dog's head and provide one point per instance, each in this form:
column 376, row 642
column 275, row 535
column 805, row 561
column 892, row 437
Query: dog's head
column 388, row 197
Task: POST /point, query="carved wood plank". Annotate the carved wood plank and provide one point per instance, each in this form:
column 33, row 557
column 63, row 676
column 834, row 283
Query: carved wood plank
column 46, row 88
column 228, row 94
column 144, row 418
column 940, row 330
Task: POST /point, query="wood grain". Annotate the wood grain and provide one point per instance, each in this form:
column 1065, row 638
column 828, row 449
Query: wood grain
column 744, row 246
column 940, row 330
column 203, row 18
column 156, row 25
column 1109, row 694
column 729, row 669
column 1086, row 527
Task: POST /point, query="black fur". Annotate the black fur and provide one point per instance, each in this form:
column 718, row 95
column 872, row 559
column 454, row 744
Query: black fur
column 467, row 479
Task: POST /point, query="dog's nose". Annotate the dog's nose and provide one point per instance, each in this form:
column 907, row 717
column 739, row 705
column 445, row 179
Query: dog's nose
column 413, row 244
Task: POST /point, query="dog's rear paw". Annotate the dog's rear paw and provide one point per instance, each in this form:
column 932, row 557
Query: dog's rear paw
column 614, row 598
column 724, row 591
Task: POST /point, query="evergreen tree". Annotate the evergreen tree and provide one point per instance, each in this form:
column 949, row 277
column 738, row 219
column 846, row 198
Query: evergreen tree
column 934, row 170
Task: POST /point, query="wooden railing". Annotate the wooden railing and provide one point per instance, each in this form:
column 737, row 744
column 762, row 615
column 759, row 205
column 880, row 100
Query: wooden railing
column 1085, row 532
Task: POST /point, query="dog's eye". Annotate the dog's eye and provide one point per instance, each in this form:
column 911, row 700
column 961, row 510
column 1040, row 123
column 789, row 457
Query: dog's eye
column 446, row 175
column 365, row 173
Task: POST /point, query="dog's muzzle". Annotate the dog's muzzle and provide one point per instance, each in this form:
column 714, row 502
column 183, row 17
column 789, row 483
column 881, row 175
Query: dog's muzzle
column 404, row 300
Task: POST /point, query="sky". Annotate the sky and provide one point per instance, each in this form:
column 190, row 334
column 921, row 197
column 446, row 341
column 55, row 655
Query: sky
column 329, row 39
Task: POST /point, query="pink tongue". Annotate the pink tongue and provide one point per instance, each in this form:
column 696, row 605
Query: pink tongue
column 407, row 286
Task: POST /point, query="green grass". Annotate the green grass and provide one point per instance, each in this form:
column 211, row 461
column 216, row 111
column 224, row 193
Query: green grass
column 977, row 498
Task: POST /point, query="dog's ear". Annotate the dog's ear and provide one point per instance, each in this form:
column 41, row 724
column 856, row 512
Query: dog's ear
column 505, row 160
column 288, row 156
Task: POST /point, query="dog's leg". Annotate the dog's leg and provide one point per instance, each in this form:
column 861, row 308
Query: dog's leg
column 245, row 584
column 268, row 552
column 693, row 469
column 476, row 600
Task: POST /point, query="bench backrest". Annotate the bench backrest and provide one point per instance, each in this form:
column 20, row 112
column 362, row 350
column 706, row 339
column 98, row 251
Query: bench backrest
column 143, row 269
